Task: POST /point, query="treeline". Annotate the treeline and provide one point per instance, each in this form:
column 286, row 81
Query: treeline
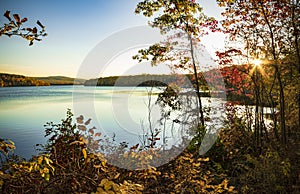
column 232, row 84
column 8, row 80
column 61, row 80
column 138, row 80
column 148, row 80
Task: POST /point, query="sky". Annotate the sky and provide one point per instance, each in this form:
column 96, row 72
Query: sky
column 80, row 30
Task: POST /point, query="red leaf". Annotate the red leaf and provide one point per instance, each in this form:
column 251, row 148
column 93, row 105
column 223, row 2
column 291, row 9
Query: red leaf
column 91, row 131
column 134, row 147
column 7, row 15
column 24, row 20
column 88, row 122
column 34, row 30
column 81, row 127
column 17, row 18
column 80, row 118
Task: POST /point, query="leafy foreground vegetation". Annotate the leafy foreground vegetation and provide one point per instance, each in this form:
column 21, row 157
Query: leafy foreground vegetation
column 68, row 163
column 250, row 156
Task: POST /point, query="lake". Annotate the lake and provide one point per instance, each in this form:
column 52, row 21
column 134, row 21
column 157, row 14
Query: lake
column 115, row 111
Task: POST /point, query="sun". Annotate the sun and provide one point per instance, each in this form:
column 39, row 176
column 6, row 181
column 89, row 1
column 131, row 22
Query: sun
column 258, row 66
column 257, row 62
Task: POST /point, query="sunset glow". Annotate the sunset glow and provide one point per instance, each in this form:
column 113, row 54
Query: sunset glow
column 257, row 62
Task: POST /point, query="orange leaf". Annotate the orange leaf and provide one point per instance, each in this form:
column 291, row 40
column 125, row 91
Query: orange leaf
column 7, row 15
column 17, row 18
column 24, row 20
column 84, row 153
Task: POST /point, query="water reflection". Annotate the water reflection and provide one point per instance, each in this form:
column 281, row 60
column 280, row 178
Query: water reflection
column 119, row 111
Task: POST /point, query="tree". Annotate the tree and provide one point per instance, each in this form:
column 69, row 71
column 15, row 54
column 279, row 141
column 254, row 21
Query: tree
column 14, row 28
column 185, row 23
column 269, row 30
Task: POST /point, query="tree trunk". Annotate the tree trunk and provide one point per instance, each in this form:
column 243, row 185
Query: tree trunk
column 278, row 77
column 281, row 105
column 197, row 81
column 297, row 53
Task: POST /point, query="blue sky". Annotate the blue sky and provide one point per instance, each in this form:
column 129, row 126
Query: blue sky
column 74, row 28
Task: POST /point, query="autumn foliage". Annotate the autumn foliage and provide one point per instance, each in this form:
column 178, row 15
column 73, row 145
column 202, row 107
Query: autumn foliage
column 68, row 163
column 257, row 151
column 14, row 27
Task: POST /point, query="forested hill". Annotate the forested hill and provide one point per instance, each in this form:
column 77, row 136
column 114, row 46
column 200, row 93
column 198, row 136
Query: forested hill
column 137, row 80
column 61, row 80
column 7, row 80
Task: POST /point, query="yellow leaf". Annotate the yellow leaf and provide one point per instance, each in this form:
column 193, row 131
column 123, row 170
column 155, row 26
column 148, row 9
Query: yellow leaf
column 108, row 185
column 28, row 37
column 185, row 158
column 231, row 188
column 30, row 168
column 84, row 153
column 103, row 181
column 40, row 160
column 201, row 183
column 47, row 177
column 52, row 168
column 11, row 142
column 117, row 176
column 77, row 142
column 196, row 164
column 100, row 190
column 47, row 160
column 203, row 159
column 46, row 170
column 177, row 186
column 150, row 157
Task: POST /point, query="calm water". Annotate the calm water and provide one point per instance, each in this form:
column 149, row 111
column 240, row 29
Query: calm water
column 25, row 110
column 121, row 111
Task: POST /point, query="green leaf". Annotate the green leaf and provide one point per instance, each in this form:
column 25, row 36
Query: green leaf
column 47, row 177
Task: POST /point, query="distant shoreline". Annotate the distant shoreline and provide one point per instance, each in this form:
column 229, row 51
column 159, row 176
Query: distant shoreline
column 13, row 80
